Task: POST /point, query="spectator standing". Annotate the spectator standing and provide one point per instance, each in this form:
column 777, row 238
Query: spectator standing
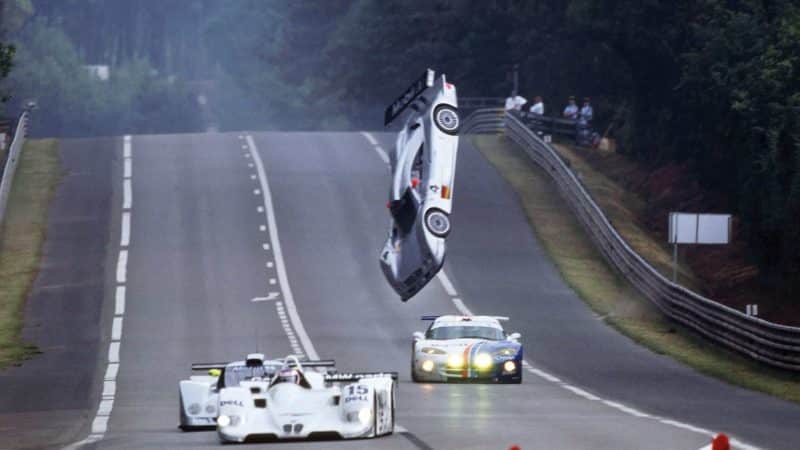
column 538, row 106
column 587, row 113
column 510, row 102
column 571, row 110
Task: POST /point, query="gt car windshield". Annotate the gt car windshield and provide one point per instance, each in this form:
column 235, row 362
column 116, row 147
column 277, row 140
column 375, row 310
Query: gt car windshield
column 465, row 332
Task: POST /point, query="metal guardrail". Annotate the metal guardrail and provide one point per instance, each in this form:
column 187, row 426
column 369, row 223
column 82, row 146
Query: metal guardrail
column 470, row 103
column 12, row 160
column 771, row 343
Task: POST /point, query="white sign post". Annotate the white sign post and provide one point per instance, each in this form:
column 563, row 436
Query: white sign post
column 692, row 228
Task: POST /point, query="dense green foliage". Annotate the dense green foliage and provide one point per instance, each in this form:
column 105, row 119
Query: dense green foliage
column 712, row 84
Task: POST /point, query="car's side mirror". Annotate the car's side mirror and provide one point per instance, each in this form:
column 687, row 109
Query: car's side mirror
column 514, row 336
column 418, row 335
column 215, row 372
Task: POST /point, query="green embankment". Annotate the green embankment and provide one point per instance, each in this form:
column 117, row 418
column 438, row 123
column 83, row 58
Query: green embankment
column 585, row 270
column 21, row 241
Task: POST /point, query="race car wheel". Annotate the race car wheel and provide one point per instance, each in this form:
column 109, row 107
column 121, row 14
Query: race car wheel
column 446, row 119
column 437, row 222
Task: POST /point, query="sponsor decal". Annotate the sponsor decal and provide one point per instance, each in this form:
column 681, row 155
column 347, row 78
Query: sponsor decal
column 238, row 403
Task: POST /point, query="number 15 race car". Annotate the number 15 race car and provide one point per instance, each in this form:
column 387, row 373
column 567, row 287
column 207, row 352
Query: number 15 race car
column 423, row 170
column 297, row 404
column 466, row 348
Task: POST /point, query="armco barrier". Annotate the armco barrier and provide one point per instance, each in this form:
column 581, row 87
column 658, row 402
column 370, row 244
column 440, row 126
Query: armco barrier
column 771, row 343
column 12, row 160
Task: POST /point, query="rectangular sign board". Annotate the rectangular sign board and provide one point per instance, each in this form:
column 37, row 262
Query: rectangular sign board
column 692, row 228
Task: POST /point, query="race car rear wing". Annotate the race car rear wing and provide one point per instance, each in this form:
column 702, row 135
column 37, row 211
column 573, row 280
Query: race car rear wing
column 466, row 317
column 356, row 376
column 314, row 363
column 417, row 87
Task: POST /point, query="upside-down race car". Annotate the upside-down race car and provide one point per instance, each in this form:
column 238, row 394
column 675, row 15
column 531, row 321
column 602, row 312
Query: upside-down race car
column 199, row 395
column 295, row 403
column 423, row 169
column 466, row 348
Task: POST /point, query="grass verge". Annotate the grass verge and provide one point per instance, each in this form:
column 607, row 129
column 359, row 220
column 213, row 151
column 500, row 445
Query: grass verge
column 584, row 269
column 21, row 240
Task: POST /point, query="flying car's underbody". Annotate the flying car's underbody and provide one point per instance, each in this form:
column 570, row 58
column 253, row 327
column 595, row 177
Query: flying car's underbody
column 423, row 169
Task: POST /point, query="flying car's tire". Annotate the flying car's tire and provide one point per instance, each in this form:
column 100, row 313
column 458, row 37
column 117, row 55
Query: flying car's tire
column 437, row 222
column 446, row 119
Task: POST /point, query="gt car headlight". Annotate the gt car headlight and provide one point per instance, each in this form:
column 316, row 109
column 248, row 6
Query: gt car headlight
column 433, row 351
column 506, row 352
column 509, row 366
column 223, row 421
column 427, row 365
column 455, row 360
column 483, row 361
column 364, row 414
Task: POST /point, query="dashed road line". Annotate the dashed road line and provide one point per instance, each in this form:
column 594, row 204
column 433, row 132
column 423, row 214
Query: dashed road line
column 122, row 266
column 127, row 194
column 446, row 283
column 280, row 266
column 125, row 232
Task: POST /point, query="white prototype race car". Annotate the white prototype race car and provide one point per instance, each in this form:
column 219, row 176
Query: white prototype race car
column 466, row 348
column 423, row 169
column 295, row 403
column 199, row 395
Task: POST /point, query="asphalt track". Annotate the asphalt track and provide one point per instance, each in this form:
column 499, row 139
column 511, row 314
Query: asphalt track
column 197, row 257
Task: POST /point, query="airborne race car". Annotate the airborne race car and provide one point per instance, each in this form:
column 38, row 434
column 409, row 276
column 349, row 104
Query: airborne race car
column 298, row 404
column 466, row 348
column 423, row 170
column 199, row 395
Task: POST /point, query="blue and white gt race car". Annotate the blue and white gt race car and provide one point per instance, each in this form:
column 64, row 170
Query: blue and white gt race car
column 466, row 348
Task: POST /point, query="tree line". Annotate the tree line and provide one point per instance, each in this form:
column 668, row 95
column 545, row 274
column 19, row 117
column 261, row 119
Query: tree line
column 713, row 84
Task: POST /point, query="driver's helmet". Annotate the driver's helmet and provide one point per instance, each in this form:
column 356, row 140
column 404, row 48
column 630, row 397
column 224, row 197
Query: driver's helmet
column 287, row 376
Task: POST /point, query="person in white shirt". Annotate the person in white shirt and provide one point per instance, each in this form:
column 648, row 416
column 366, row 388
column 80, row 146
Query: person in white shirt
column 571, row 111
column 510, row 103
column 587, row 113
column 538, row 106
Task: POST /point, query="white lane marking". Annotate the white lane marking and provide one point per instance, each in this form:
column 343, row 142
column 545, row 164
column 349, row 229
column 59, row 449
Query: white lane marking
column 446, row 283
column 91, row 439
column 545, row 375
column 126, row 146
column 119, row 301
column 270, row 264
column 241, row 136
column 253, row 176
column 262, row 228
column 272, row 281
column 127, row 194
column 100, row 425
column 105, row 407
column 109, row 388
column 247, row 155
column 270, row 296
column 260, row 209
column 382, row 154
column 116, row 329
column 579, row 391
column 276, row 244
column 111, row 372
column 122, row 266
column 127, row 170
column 125, row 232
column 250, row 165
column 244, row 146
column 459, row 304
column 461, row 307
column 265, row 246
column 256, row 192
column 113, row 352
column 378, row 149
column 369, row 137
